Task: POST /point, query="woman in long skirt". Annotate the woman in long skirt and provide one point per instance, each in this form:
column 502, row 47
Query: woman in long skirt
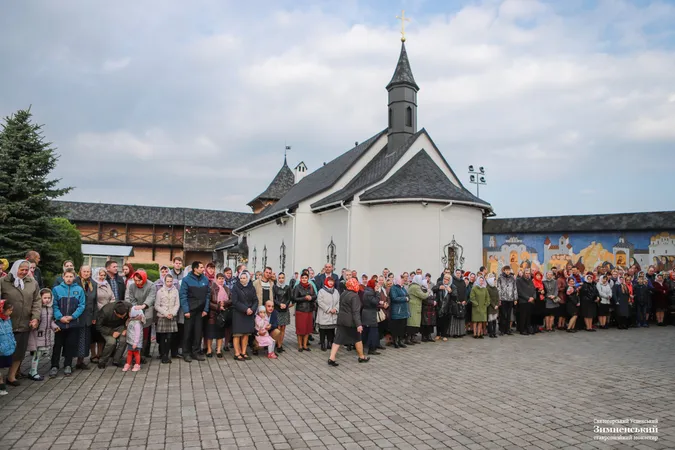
column 399, row 312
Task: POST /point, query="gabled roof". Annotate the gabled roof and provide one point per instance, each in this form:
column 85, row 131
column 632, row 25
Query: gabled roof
column 403, row 73
column 281, row 183
column 420, row 178
column 318, row 181
column 373, row 172
column 648, row 221
column 149, row 215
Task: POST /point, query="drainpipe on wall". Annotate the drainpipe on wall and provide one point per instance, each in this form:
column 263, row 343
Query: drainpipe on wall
column 293, row 246
column 440, row 241
column 349, row 232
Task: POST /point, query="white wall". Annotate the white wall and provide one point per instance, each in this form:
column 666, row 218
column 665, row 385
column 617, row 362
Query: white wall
column 271, row 235
column 406, row 236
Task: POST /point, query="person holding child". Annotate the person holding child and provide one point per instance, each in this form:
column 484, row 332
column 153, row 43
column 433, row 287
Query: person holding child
column 41, row 340
column 166, row 307
column 142, row 294
column 263, row 328
column 7, row 343
column 69, row 305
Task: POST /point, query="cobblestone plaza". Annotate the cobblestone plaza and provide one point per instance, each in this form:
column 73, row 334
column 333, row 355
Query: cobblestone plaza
column 517, row 392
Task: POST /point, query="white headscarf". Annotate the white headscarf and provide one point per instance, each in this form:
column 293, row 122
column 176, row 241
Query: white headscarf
column 94, row 276
column 418, row 279
column 491, row 280
column 18, row 282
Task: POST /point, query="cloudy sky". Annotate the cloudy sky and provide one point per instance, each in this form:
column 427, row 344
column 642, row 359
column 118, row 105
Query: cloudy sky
column 570, row 106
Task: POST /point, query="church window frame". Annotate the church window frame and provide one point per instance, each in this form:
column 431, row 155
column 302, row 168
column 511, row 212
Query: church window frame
column 331, row 252
column 453, row 255
column 408, row 117
column 254, row 259
column 282, row 256
column 264, row 256
column 391, row 117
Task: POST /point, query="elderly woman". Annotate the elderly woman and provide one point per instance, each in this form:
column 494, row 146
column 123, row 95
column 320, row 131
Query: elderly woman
column 428, row 322
column 219, row 301
column 370, row 305
column 588, row 294
column 328, row 302
column 304, row 297
column 22, row 292
column 399, row 312
column 349, row 325
column 480, row 299
column 245, row 303
column 552, row 299
column 417, row 298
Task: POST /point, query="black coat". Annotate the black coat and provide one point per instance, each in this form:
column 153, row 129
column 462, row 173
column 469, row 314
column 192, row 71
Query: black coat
column 349, row 314
column 526, row 289
column 371, row 300
column 282, row 294
column 588, row 293
column 243, row 298
column 620, row 301
column 642, row 293
column 444, row 299
column 90, row 300
column 301, row 303
column 460, row 288
column 121, row 286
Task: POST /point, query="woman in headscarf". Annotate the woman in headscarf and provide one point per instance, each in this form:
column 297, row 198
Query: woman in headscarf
column 349, row 326
column 622, row 294
column 551, row 293
column 643, row 300
column 104, row 295
column 428, row 322
column 445, row 290
column 384, row 313
column 417, row 297
column 328, row 302
column 304, row 297
column 480, row 299
column 588, row 294
column 399, row 312
column 605, row 293
column 219, row 301
column 539, row 305
column 4, row 265
column 660, row 299
column 282, row 305
column 245, row 303
column 22, row 292
column 493, row 307
column 87, row 317
column 370, row 305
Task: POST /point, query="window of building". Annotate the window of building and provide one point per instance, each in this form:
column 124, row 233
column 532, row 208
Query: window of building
column 408, row 117
column 390, row 117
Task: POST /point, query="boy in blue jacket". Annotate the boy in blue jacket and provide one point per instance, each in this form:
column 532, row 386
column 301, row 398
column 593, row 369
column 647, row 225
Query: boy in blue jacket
column 69, row 304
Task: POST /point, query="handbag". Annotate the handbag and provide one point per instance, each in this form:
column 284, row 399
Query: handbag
column 381, row 316
column 224, row 318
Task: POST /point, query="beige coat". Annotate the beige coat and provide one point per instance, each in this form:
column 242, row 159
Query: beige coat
column 26, row 302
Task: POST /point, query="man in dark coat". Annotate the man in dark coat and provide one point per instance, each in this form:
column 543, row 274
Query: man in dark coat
column 111, row 322
column 195, row 294
column 526, row 295
column 115, row 281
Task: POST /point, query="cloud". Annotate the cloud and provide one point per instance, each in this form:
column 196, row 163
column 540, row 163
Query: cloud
column 192, row 103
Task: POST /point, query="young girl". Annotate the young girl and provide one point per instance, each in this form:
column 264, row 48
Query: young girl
column 41, row 340
column 134, row 339
column 262, row 326
column 166, row 308
column 7, row 343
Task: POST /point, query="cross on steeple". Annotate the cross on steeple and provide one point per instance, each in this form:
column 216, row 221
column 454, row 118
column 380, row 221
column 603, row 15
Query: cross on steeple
column 403, row 20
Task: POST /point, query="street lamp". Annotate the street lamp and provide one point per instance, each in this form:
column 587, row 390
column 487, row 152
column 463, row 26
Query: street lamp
column 477, row 178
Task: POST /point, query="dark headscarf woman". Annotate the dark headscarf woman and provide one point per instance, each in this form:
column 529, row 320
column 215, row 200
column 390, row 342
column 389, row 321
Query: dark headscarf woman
column 220, row 300
column 371, row 303
column 349, row 327
column 245, row 303
column 589, row 297
column 417, row 298
column 304, row 297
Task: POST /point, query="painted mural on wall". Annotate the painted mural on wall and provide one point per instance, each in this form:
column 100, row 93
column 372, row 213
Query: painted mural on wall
column 586, row 251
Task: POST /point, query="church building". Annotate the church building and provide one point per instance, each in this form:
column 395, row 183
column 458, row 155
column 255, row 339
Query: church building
column 391, row 201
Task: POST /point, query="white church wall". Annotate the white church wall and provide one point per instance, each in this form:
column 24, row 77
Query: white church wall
column 466, row 225
column 270, row 235
column 333, row 226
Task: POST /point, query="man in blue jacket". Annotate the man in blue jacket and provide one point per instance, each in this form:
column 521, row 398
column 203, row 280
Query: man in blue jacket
column 195, row 293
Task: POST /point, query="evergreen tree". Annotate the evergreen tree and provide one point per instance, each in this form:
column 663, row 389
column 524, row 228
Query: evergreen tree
column 27, row 191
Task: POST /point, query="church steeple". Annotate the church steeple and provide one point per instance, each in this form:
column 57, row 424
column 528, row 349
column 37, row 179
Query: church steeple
column 402, row 102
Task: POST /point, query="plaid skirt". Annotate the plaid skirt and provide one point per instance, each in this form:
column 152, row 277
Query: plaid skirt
column 166, row 325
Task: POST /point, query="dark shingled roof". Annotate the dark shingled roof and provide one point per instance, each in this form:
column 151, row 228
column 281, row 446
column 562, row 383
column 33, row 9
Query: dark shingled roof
column 227, row 243
column 373, row 172
column 647, row 221
column 319, row 180
column 403, row 73
column 420, row 178
column 148, row 215
column 281, row 184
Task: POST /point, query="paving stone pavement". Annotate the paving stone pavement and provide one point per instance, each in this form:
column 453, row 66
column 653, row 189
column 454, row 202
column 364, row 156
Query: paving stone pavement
column 517, row 392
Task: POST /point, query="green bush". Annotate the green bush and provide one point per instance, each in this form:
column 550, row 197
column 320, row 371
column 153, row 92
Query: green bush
column 146, row 266
column 153, row 275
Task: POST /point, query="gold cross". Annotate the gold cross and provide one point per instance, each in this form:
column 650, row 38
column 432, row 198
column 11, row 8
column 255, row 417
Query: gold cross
column 403, row 20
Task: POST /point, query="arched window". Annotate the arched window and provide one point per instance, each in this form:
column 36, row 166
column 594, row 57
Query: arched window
column 408, row 117
column 390, row 117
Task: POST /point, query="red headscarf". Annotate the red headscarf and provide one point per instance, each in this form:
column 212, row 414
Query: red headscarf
column 144, row 278
column 2, row 310
column 353, row 285
column 331, row 280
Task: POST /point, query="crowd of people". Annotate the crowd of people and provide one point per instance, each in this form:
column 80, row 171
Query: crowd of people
column 106, row 316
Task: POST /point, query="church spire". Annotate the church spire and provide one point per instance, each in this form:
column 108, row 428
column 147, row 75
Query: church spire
column 402, row 102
